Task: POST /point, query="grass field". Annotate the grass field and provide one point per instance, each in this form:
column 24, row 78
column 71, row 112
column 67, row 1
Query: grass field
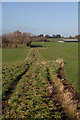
column 53, row 51
column 31, row 87
column 54, row 39
column 25, row 91
column 67, row 51
column 13, row 56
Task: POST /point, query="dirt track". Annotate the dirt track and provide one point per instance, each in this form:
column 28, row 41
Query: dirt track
column 63, row 92
column 66, row 99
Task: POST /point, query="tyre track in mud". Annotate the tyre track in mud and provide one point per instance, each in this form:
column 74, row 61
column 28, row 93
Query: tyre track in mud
column 67, row 99
column 51, row 88
column 59, row 89
column 32, row 74
column 70, row 94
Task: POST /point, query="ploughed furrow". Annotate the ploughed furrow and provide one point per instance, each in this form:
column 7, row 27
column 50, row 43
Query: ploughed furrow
column 31, row 98
column 41, row 94
column 62, row 93
column 62, row 97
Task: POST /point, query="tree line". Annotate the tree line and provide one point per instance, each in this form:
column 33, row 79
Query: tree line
column 10, row 40
column 14, row 39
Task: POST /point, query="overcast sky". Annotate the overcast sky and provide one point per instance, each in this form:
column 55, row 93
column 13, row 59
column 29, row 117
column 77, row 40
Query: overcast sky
column 41, row 17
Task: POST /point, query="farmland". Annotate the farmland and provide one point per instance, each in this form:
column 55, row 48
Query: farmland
column 31, row 87
column 13, row 56
column 67, row 51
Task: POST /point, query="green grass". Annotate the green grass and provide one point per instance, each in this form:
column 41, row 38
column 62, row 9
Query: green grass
column 13, row 56
column 11, row 75
column 67, row 51
column 53, row 51
column 54, row 39
column 30, row 99
column 29, row 94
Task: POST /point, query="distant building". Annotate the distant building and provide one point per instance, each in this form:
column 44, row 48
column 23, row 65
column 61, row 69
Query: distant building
column 60, row 40
column 68, row 40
